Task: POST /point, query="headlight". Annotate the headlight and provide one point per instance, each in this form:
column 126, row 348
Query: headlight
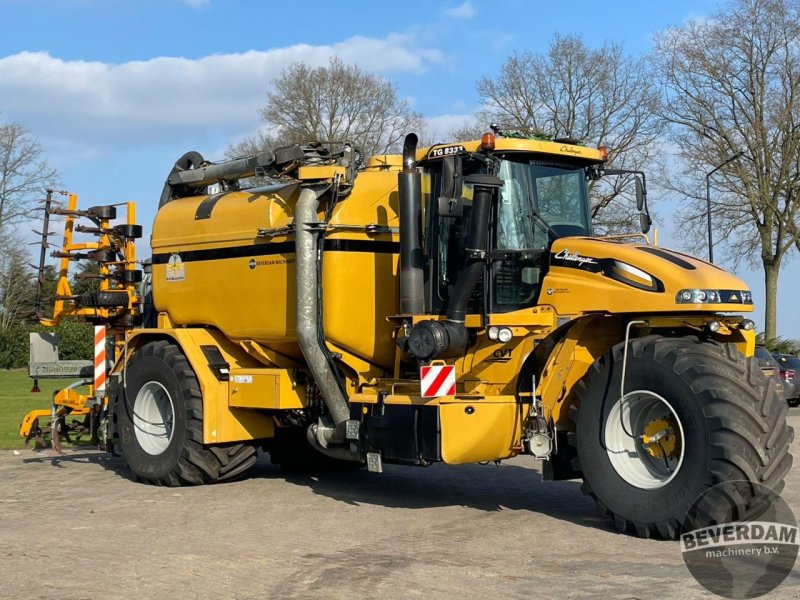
column 504, row 335
column 694, row 296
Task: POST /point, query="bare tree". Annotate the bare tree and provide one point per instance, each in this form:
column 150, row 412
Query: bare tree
column 600, row 96
column 338, row 102
column 252, row 144
column 470, row 130
column 733, row 85
column 24, row 174
column 17, row 292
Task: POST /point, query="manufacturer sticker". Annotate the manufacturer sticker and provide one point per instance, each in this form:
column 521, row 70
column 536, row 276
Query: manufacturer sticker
column 242, row 379
column 175, row 268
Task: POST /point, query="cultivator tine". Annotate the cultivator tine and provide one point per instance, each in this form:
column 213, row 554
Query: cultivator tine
column 36, row 434
column 65, row 212
column 93, row 230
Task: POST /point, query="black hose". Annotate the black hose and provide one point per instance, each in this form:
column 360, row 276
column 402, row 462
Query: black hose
column 190, row 160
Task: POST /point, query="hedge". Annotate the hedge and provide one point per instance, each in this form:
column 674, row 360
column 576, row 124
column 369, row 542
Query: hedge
column 75, row 342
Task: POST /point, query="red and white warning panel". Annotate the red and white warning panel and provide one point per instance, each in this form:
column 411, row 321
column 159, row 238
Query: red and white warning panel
column 99, row 360
column 437, row 380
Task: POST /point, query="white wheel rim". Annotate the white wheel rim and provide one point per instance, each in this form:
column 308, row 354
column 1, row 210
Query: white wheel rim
column 153, row 418
column 628, row 455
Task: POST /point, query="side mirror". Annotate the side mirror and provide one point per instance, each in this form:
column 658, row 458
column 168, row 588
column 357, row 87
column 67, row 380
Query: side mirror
column 639, row 194
column 451, row 176
column 645, row 222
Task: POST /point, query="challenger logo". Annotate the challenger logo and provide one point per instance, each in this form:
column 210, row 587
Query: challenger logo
column 570, row 150
column 567, row 256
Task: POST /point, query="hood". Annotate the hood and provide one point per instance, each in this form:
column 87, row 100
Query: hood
column 589, row 275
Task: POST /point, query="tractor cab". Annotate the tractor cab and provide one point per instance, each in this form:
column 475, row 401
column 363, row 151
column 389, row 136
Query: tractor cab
column 543, row 196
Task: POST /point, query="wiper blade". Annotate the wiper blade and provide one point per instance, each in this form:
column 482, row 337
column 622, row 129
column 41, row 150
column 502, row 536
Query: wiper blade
column 535, row 215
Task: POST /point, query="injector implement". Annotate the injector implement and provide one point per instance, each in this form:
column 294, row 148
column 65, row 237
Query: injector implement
column 450, row 304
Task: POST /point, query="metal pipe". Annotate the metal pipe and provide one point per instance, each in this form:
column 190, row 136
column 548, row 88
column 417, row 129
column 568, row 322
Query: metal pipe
column 42, row 256
column 225, row 171
column 306, row 249
column 476, row 244
column 409, row 191
column 336, row 452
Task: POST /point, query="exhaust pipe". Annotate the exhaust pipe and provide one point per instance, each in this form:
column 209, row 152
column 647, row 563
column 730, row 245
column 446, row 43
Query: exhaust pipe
column 323, row 434
column 475, row 245
column 409, row 191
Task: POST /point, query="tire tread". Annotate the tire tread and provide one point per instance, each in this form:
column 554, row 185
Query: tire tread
column 750, row 437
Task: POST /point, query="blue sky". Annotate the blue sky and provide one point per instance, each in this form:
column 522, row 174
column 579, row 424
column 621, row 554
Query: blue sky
column 116, row 90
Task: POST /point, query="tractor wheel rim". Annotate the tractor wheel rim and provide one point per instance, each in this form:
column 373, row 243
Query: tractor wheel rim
column 153, row 418
column 638, row 460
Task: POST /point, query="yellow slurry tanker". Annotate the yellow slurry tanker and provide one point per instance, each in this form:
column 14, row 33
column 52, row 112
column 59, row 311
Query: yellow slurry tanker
column 448, row 305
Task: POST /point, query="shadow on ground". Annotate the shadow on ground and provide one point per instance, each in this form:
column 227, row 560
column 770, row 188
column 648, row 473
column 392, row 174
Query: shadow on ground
column 489, row 488
column 80, row 453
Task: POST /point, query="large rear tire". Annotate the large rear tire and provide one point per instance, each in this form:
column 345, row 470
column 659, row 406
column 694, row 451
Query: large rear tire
column 160, row 423
column 694, row 414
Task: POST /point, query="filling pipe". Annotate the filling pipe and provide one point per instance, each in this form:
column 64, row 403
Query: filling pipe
column 332, row 430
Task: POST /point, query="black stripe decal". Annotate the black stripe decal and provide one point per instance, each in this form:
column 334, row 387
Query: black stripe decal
column 271, row 248
column 206, row 206
column 675, row 260
column 362, row 246
column 265, row 249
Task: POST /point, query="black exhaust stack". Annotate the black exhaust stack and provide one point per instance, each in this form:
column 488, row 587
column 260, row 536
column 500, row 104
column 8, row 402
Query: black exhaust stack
column 409, row 191
column 476, row 244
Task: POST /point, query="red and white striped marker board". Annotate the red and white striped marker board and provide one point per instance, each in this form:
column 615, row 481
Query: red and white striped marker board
column 99, row 360
column 437, row 380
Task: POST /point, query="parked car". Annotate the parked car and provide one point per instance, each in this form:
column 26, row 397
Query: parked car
column 790, row 372
column 771, row 368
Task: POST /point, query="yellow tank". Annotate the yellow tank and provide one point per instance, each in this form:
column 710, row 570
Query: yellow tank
column 227, row 261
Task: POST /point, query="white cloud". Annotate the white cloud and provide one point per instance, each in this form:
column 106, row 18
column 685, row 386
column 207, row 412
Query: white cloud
column 439, row 127
column 462, row 11
column 168, row 98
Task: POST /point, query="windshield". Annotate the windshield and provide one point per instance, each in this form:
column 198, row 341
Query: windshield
column 557, row 194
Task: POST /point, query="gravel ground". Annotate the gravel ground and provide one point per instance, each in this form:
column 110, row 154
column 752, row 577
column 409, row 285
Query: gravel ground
column 76, row 526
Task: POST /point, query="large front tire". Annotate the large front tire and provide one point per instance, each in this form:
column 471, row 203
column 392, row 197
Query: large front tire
column 160, row 423
column 694, row 414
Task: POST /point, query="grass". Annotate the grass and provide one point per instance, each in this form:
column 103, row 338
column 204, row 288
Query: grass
column 16, row 400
